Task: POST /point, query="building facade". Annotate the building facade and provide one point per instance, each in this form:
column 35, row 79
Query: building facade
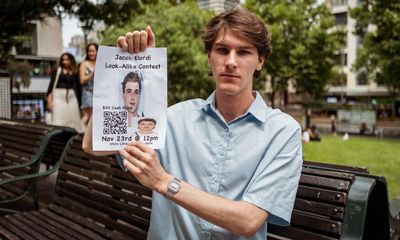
column 39, row 54
column 354, row 85
column 218, row 5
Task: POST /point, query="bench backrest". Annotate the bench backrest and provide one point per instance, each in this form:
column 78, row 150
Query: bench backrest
column 335, row 202
column 95, row 188
column 19, row 145
column 23, row 146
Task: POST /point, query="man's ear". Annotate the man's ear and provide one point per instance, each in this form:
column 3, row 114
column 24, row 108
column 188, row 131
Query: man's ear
column 260, row 63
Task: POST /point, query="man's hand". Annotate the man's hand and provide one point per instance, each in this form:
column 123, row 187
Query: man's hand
column 141, row 160
column 137, row 41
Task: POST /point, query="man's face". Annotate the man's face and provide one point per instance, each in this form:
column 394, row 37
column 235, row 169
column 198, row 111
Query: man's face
column 233, row 61
column 131, row 97
column 146, row 126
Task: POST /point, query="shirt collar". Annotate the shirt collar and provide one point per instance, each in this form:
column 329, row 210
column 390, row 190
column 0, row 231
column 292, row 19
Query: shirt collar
column 258, row 108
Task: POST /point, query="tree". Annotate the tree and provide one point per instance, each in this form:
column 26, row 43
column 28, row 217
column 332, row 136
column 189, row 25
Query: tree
column 304, row 43
column 108, row 12
column 178, row 27
column 16, row 17
column 379, row 56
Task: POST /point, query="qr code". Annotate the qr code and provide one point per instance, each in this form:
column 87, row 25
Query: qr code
column 115, row 122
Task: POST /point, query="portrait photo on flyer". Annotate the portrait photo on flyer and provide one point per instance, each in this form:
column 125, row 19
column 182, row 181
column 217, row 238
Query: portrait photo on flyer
column 129, row 98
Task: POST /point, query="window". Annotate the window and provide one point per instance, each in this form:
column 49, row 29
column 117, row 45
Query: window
column 362, row 78
column 341, row 18
column 336, row 3
column 338, row 59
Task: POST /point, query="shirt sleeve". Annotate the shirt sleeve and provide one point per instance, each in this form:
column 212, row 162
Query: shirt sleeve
column 274, row 184
column 51, row 84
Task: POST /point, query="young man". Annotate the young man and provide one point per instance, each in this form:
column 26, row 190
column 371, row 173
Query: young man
column 146, row 125
column 230, row 163
column 131, row 90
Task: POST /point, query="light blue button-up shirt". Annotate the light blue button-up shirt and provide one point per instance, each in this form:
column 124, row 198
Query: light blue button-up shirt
column 255, row 158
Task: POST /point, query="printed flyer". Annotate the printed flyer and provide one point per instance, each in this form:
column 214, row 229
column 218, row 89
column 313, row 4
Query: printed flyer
column 129, row 98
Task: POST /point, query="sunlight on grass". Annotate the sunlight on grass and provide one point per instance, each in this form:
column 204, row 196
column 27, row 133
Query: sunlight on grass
column 380, row 156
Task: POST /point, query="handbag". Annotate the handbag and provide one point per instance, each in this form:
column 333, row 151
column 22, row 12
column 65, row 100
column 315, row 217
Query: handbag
column 48, row 116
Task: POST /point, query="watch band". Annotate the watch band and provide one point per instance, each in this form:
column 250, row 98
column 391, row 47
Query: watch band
column 173, row 187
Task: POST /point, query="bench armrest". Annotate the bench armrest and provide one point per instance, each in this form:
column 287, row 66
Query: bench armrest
column 37, row 158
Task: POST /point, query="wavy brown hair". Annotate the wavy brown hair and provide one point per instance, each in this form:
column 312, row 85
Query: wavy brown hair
column 243, row 23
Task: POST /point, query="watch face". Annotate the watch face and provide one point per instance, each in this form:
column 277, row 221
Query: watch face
column 174, row 185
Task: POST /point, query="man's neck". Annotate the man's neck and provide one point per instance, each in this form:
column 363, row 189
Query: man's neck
column 130, row 116
column 232, row 107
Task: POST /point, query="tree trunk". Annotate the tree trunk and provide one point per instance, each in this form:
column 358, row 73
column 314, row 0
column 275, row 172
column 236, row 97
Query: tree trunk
column 272, row 91
column 394, row 106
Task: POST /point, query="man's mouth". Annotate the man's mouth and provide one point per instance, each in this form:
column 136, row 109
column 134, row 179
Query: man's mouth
column 229, row 75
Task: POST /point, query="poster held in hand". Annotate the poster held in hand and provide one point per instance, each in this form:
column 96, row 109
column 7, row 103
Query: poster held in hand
column 129, row 98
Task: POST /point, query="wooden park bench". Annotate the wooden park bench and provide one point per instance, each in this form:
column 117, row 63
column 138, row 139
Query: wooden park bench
column 23, row 147
column 96, row 200
column 337, row 202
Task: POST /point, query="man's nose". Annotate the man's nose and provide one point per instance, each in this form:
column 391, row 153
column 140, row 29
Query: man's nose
column 231, row 61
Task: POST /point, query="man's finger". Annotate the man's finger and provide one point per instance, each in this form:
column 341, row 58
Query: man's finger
column 131, row 168
column 143, row 40
column 129, row 41
column 132, row 159
column 151, row 39
column 121, row 42
column 136, row 41
column 142, row 147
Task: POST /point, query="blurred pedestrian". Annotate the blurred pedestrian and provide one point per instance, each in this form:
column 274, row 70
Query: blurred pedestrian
column 86, row 76
column 314, row 133
column 333, row 125
column 63, row 94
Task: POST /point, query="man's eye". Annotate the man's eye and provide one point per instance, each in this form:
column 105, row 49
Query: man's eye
column 244, row 52
column 222, row 50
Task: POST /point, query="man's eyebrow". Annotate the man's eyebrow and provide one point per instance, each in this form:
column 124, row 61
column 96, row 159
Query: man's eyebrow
column 244, row 47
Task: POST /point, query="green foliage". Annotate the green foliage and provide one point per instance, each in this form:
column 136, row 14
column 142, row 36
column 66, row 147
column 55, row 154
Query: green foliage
column 303, row 42
column 15, row 17
column 380, row 157
column 109, row 12
column 179, row 28
column 379, row 56
column 21, row 69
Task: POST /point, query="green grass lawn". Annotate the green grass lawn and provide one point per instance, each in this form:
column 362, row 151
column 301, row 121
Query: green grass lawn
column 380, row 156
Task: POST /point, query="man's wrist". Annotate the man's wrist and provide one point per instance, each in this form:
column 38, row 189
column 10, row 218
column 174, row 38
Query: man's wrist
column 173, row 188
column 163, row 186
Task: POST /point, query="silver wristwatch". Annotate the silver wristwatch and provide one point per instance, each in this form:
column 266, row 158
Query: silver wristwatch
column 173, row 187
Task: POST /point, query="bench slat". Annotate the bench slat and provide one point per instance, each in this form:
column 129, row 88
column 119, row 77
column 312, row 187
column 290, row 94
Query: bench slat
column 84, row 228
column 332, row 211
column 288, row 233
column 311, row 180
column 330, row 174
column 17, row 232
column 326, row 196
column 316, row 222
column 36, row 230
column 48, row 225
